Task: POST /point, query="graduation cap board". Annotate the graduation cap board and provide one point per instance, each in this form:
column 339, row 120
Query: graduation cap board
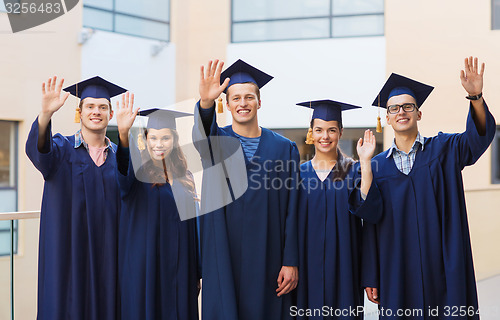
column 242, row 72
column 159, row 119
column 95, row 87
column 397, row 85
column 327, row 110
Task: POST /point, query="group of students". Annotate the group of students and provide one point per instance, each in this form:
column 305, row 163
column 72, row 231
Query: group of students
column 118, row 239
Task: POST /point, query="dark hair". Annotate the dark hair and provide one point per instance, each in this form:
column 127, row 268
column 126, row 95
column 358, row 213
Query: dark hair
column 257, row 91
column 175, row 163
column 312, row 124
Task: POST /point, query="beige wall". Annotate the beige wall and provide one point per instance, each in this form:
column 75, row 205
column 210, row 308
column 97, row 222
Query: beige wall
column 428, row 41
column 27, row 59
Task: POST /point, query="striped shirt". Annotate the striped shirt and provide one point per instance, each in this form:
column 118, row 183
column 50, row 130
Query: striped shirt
column 404, row 161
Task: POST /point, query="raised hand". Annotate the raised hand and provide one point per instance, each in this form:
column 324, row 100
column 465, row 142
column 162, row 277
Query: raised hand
column 51, row 96
column 366, row 146
column 472, row 78
column 125, row 116
column 210, row 87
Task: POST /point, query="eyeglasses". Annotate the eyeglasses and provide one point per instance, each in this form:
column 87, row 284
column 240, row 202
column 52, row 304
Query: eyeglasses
column 407, row 107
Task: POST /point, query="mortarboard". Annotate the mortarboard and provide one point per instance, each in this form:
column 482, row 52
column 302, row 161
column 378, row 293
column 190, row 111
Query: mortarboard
column 327, row 110
column 242, row 72
column 397, row 85
column 159, row 119
column 162, row 118
column 95, row 87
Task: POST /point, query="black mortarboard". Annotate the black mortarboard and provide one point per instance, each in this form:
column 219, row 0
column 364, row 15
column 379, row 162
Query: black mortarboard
column 162, row 118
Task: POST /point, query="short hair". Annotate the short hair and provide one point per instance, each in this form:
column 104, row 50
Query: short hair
column 81, row 104
column 257, row 91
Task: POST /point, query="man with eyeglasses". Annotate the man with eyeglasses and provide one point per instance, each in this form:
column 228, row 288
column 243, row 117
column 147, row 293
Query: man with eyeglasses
column 417, row 261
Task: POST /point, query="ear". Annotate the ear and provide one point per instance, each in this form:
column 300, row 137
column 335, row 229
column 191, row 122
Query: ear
column 387, row 119
column 419, row 115
column 111, row 113
column 341, row 132
column 259, row 105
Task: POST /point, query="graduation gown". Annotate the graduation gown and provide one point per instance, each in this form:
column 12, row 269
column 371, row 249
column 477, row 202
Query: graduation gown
column 78, row 230
column 245, row 244
column 419, row 254
column 158, row 276
column 330, row 213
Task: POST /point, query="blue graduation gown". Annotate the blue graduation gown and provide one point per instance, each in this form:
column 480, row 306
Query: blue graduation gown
column 245, row 244
column 419, row 254
column 157, row 251
column 78, row 230
column 330, row 213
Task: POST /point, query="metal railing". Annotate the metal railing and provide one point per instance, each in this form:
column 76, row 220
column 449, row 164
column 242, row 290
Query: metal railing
column 4, row 216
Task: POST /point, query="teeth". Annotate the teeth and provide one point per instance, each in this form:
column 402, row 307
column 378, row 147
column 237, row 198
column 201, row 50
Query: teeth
column 244, row 111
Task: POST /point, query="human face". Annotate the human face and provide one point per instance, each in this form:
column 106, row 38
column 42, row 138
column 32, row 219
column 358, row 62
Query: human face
column 95, row 114
column 243, row 102
column 326, row 135
column 403, row 122
column 160, row 143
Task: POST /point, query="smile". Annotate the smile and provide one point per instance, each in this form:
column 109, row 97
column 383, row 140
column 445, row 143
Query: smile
column 243, row 111
column 403, row 120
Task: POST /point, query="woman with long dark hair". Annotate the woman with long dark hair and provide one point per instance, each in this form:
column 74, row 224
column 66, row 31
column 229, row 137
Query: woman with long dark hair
column 157, row 246
column 337, row 192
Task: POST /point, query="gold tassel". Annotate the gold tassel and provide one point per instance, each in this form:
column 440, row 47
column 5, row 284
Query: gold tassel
column 220, row 106
column 140, row 142
column 379, row 125
column 77, row 115
column 309, row 138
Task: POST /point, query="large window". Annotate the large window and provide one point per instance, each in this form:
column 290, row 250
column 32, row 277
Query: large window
column 495, row 158
column 147, row 19
column 8, row 182
column 495, row 14
column 265, row 20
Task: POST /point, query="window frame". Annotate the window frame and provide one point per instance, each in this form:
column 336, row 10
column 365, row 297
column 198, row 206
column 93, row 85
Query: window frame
column 330, row 16
column 15, row 188
column 115, row 12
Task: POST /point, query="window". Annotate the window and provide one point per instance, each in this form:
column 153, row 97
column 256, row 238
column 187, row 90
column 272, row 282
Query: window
column 495, row 158
column 265, row 20
column 495, row 14
column 146, row 19
column 8, row 182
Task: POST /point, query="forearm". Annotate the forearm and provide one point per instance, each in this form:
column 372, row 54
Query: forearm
column 479, row 115
column 43, row 125
column 366, row 176
column 207, row 104
column 123, row 136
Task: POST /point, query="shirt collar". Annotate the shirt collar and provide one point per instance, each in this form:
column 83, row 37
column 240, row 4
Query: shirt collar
column 80, row 141
column 418, row 141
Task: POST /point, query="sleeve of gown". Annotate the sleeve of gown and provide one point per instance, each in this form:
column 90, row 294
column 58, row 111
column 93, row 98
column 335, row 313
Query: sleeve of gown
column 370, row 268
column 470, row 145
column 125, row 170
column 290, row 252
column 301, row 291
column 47, row 159
column 205, row 125
column 369, row 209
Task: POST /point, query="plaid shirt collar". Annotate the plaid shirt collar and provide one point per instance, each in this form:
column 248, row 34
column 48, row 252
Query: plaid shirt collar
column 414, row 147
column 80, row 141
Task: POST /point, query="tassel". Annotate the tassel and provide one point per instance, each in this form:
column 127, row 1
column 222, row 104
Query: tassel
column 220, row 106
column 379, row 125
column 309, row 138
column 140, row 142
column 77, row 115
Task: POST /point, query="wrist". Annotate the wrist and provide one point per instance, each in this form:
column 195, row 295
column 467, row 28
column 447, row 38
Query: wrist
column 474, row 96
column 207, row 104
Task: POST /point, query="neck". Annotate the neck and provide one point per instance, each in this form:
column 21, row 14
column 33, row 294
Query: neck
column 325, row 160
column 94, row 138
column 404, row 141
column 248, row 130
